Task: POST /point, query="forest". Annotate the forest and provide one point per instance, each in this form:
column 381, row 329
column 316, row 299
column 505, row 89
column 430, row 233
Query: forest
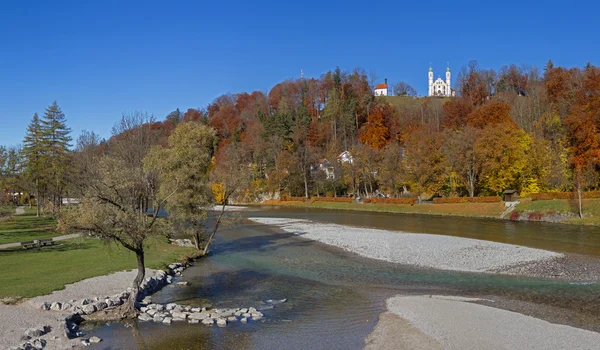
column 516, row 128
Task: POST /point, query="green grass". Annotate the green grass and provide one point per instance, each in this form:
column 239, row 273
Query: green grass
column 401, row 102
column 591, row 209
column 29, row 273
column 26, row 227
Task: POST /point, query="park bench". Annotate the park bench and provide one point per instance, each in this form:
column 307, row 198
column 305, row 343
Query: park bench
column 28, row 244
column 46, row 241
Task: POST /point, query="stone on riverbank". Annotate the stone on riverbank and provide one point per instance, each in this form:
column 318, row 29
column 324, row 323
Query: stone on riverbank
column 208, row 321
column 95, row 340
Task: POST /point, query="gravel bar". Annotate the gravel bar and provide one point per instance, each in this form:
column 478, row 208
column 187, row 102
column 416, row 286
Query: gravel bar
column 419, row 249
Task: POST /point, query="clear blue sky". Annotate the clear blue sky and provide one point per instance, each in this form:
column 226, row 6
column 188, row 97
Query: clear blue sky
column 99, row 59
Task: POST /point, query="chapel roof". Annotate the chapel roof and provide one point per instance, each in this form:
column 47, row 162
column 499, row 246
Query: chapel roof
column 381, row 86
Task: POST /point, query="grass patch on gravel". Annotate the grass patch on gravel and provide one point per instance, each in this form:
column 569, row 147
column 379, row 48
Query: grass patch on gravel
column 30, row 273
column 27, row 227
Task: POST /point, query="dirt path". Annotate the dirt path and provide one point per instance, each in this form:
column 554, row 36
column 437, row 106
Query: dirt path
column 20, row 210
column 59, row 238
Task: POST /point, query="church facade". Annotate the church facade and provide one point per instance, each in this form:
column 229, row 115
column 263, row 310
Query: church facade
column 440, row 87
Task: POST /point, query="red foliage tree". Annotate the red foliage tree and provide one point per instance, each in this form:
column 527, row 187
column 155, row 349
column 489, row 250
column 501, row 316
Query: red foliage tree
column 375, row 133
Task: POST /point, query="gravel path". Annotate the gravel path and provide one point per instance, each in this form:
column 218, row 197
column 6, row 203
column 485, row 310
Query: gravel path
column 59, row 238
column 20, row 210
column 101, row 286
column 425, row 250
column 16, row 319
column 456, row 323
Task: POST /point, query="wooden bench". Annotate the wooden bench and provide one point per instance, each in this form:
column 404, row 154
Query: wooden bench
column 46, row 241
column 28, row 244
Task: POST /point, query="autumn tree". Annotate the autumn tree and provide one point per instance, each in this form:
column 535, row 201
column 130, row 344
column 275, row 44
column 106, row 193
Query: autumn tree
column 120, row 201
column 375, row 132
column 461, row 157
column 183, row 172
column 491, row 113
column 503, row 148
column 583, row 125
column 425, row 160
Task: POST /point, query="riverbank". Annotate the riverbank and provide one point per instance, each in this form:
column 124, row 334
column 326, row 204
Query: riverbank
column 555, row 211
column 439, row 322
column 444, row 252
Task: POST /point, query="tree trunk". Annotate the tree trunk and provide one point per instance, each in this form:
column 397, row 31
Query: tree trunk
column 197, row 239
column 130, row 310
column 37, row 198
column 579, row 199
column 216, row 228
column 305, row 184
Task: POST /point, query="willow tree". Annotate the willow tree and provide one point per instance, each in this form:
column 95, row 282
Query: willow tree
column 120, row 200
column 183, row 169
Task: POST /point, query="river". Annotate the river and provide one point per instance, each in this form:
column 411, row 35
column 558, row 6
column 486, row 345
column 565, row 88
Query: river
column 334, row 297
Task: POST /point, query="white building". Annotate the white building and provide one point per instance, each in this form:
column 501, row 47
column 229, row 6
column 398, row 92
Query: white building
column 345, row 157
column 381, row 89
column 440, row 87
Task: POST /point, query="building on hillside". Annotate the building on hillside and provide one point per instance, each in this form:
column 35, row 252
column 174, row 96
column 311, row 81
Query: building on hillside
column 345, row 157
column 381, row 89
column 325, row 167
column 440, row 87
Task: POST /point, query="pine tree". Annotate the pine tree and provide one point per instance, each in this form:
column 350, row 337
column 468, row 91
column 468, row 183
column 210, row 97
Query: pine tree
column 56, row 142
column 33, row 149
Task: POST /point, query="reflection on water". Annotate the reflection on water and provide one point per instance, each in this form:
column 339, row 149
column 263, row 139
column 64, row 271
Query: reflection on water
column 334, row 297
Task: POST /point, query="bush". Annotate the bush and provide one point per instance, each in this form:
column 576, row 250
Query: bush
column 563, row 195
column 410, row 201
column 490, row 199
column 333, row 199
column 293, row 199
column 535, row 216
column 514, row 216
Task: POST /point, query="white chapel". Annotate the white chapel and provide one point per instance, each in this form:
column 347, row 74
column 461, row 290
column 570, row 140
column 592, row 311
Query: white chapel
column 440, row 87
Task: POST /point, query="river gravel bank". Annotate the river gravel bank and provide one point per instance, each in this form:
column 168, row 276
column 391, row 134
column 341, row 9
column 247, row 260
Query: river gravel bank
column 423, row 250
column 458, row 323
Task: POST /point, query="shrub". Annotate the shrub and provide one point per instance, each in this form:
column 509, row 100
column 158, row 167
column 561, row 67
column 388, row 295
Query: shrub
column 514, row 216
column 410, row 201
column 563, row 195
column 490, row 199
column 333, row 199
column 293, row 199
column 535, row 216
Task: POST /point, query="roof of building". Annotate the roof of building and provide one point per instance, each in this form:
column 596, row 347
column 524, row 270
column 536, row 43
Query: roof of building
column 381, row 86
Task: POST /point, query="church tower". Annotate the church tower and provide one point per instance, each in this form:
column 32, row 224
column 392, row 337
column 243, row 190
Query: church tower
column 449, row 89
column 430, row 93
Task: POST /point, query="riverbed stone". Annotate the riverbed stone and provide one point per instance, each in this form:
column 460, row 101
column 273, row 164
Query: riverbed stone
column 66, row 307
column 55, row 306
column 151, row 312
column 145, row 317
column 178, row 314
column 256, row 317
column 243, row 320
column 167, row 320
column 158, row 318
column 88, row 309
column 231, row 319
column 247, row 315
column 221, row 322
column 208, row 321
column 171, row 306
column 193, row 321
column 101, row 305
column 95, row 340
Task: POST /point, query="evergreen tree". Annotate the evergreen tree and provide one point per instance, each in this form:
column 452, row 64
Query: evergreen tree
column 33, row 150
column 56, row 142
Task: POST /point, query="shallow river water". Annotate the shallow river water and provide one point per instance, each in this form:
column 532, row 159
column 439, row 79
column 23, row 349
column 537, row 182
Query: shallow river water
column 335, row 297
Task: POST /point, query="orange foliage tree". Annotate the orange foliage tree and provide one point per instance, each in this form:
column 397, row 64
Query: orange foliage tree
column 375, row 132
column 491, row 113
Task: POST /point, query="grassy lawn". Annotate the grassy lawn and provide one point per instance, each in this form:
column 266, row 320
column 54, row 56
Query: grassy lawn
column 453, row 209
column 26, row 227
column 591, row 209
column 29, row 273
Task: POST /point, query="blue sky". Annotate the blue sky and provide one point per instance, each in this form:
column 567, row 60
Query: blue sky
column 100, row 59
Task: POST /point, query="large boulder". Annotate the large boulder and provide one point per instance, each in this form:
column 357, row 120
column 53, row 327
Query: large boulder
column 88, row 309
